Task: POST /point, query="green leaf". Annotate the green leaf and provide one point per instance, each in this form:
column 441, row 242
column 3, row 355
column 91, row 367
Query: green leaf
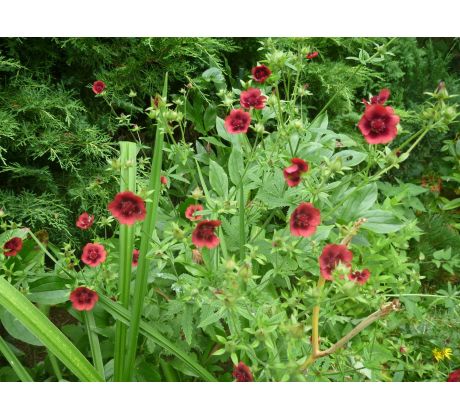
column 453, row 204
column 222, row 131
column 17, row 330
column 45, row 331
column 218, row 179
column 209, row 117
column 236, row 165
column 381, row 221
column 358, row 202
column 122, row 314
column 350, row 157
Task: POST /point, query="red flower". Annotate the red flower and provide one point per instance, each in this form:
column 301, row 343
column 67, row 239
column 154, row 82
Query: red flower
column 360, row 277
column 189, row 213
column 83, row 299
column 381, row 98
column 242, row 373
column 312, row 55
column 378, row 124
column 85, row 221
column 164, row 180
column 304, row 220
column 135, row 257
column 237, row 122
column 98, row 87
column 260, row 73
column 127, row 208
column 292, row 173
column 204, row 236
column 252, row 98
column 331, row 256
column 93, row 254
column 454, row 376
column 12, row 247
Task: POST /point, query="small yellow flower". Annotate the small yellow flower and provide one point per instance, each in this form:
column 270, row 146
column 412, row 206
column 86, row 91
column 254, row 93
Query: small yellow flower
column 447, row 352
column 438, row 354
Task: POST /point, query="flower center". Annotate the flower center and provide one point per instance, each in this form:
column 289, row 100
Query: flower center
column 302, row 220
column 378, row 125
column 93, row 254
column 206, row 232
column 238, row 123
column 128, row 208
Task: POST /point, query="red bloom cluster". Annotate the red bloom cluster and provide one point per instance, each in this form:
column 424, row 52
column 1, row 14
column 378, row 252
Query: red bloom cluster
column 190, row 212
column 83, row 299
column 204, row 236
column 260, row 73
column 331, row 256
column 242, row 373
column 98, row 87
column 304, row 220
column 252, row 98
column 292, row 174
column 135, row 257
column 12, row 247
column 127, row 208
column 312, row 55
column 454, row 376
column 379, row 123
column 237, row 122
column 360, row 277
column 85, row 221
column 93, row 254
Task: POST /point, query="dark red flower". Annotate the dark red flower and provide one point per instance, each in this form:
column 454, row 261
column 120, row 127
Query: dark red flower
column 98, row 87
column 12, row 247
column 93, row 254
column 381, row 98
column 204, row 236
column 127, row 208
column 304, row 220
column 331, row 256
column 293, row 173
column 135, row 257
column 360, row 277
column 252, row 98
column 454, row 376
column 237, row 122
column 83, row 299
column 260, row 73
column 378, row 124
column 164, row 180
column 189, row 213
column 85, row 221
column 312, row 55
column 242, row 373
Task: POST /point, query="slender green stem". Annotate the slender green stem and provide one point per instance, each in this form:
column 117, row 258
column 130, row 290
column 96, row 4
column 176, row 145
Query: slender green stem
column 140, row 287
column 127, row 183
column 241, row 209
column 94, row 341
column 11, row 358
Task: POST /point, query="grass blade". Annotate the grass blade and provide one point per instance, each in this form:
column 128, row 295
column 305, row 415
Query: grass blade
column 148, row 225
column 127, row 183
column 123, row 315
column 39, row 325
column 11, row 358
column 94, row 341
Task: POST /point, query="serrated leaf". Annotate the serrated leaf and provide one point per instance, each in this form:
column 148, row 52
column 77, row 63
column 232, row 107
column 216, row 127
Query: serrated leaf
column 218, row 179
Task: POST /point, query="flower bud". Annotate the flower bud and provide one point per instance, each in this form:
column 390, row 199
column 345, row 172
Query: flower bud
column 259, row 128
column 197, row 257
column 177, row 232
column 132, row 94
column 197, row 193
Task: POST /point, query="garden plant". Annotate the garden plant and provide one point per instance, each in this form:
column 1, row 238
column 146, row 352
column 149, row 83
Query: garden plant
column 288, row 216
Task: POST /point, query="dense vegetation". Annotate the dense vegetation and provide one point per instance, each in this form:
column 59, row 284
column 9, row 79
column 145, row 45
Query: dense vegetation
column 248, row 299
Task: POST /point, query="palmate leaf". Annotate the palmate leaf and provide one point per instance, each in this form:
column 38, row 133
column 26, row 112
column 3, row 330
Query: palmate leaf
column 123, row 315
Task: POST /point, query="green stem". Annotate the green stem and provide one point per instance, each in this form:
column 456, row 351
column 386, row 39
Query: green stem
column 11, row 358
column 94, row 341
column 241, row 208
column 127, row 183
column 140, row 287
column 55, row 366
